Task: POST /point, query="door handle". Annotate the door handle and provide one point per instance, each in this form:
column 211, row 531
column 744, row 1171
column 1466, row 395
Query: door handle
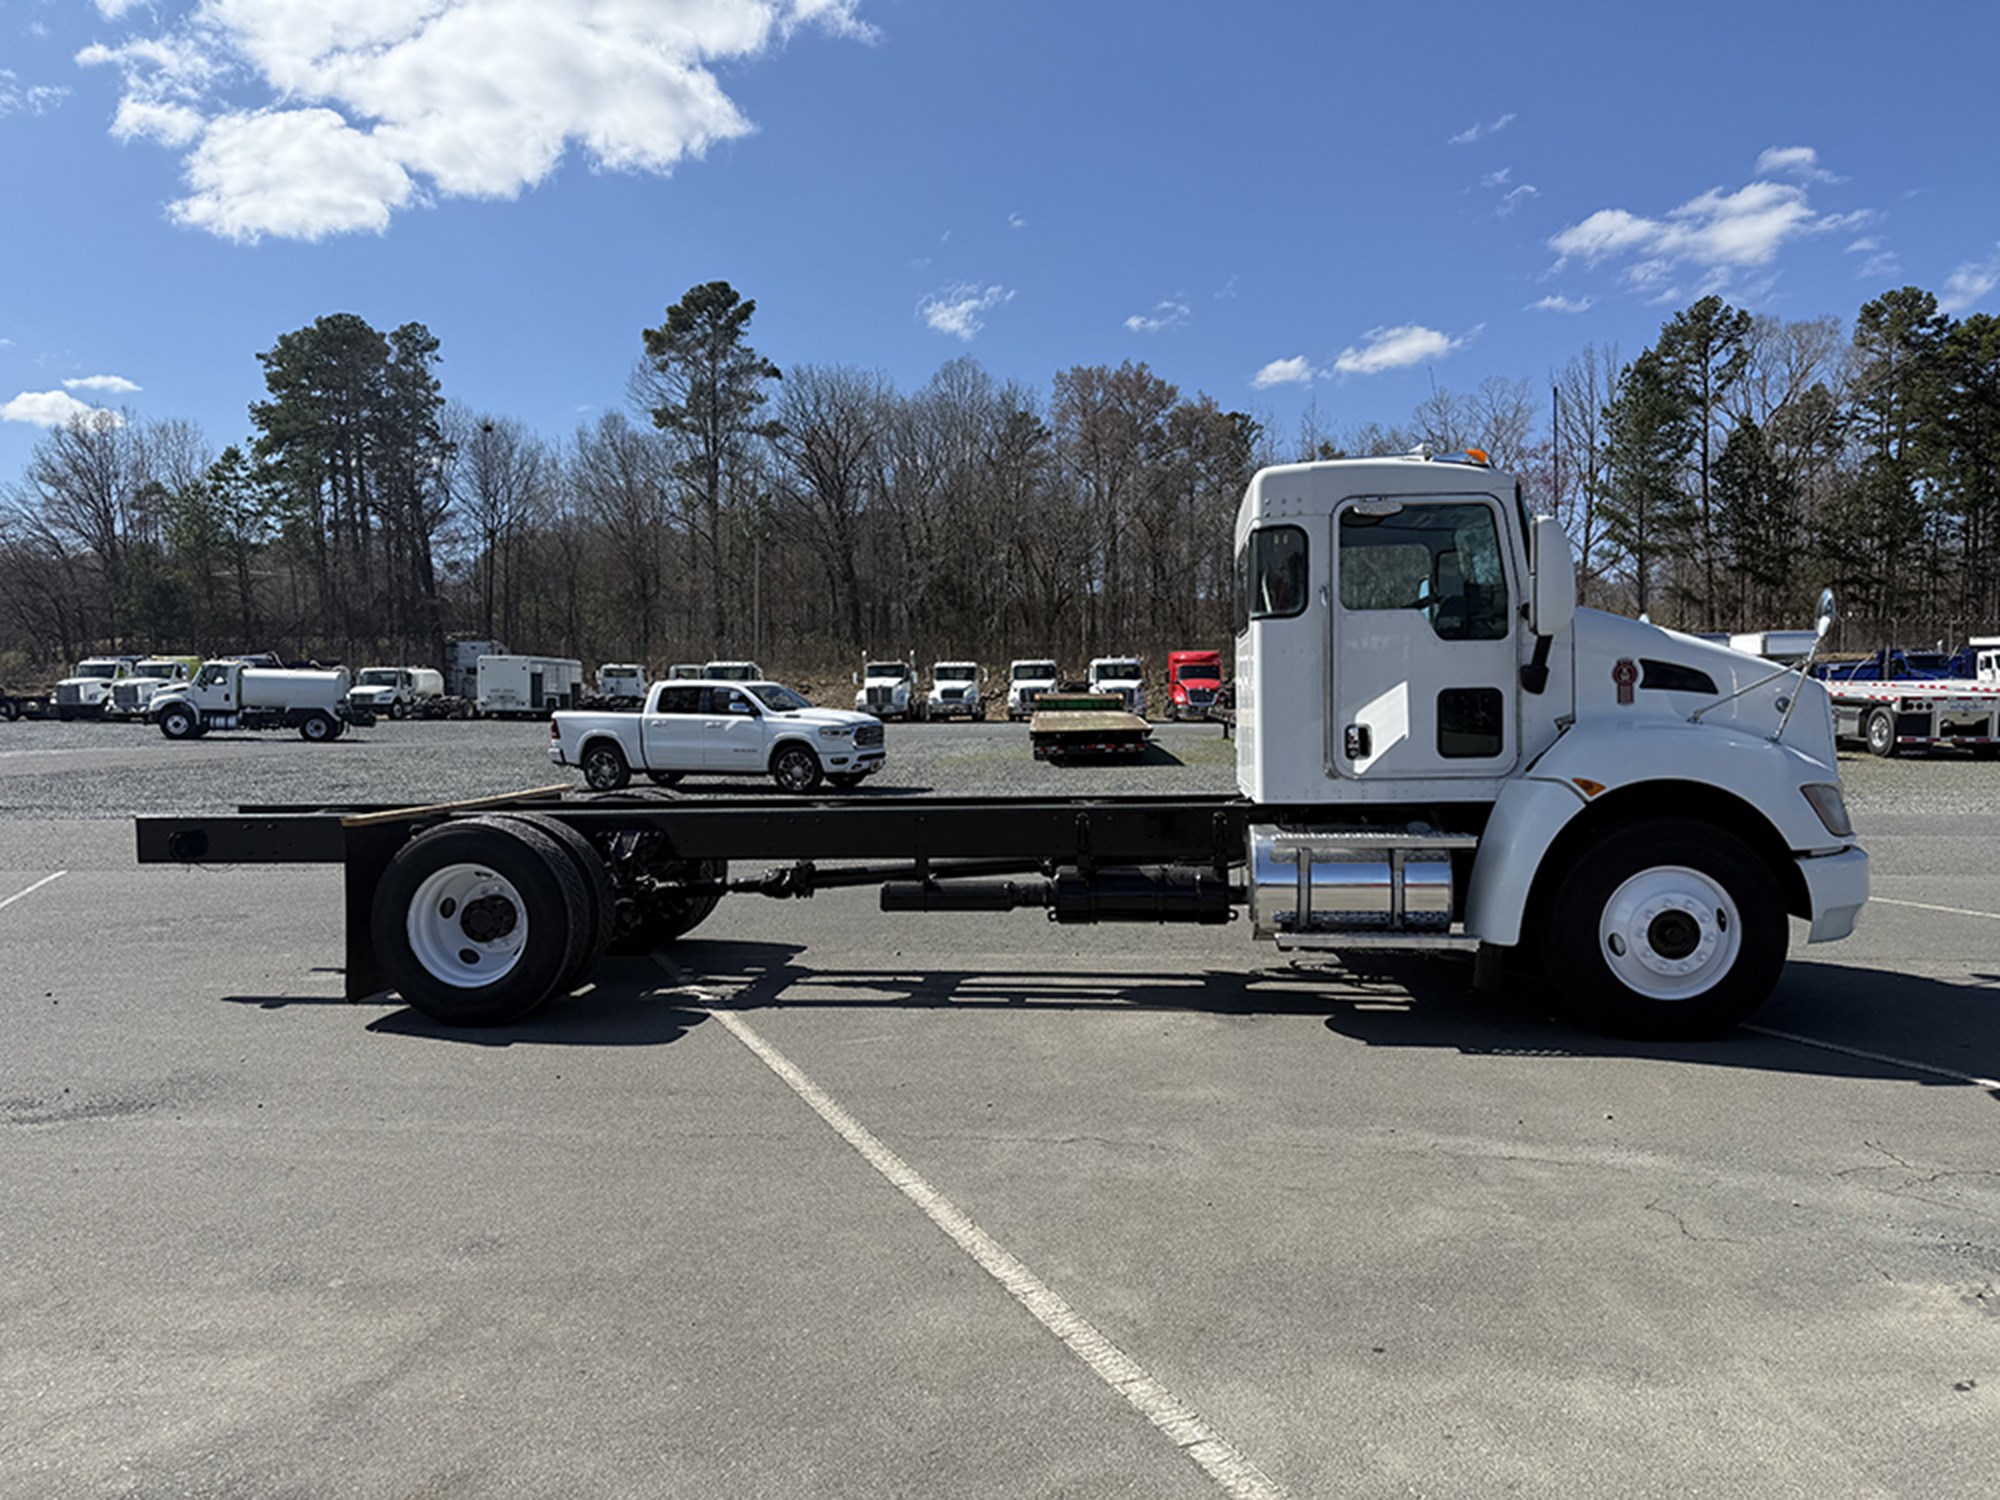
column 1357, row 742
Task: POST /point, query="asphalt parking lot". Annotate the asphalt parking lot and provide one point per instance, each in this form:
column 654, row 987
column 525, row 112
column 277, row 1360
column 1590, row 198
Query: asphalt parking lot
column 823, row 1202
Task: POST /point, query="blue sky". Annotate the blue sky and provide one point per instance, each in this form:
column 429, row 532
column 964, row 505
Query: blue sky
column 1273, row 203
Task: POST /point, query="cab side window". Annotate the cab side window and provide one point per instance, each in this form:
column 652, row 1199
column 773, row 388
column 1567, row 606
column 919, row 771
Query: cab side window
column 680, row 700
column 1442, row 559
column 1277, row 573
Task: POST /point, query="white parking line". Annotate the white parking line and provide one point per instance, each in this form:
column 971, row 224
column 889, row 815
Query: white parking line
column 1955, row 911
column 1881, row 1057
column 33, row 888
column 1233, row 1474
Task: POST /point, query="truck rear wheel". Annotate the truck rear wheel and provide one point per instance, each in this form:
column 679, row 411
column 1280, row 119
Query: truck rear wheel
column 1666, row 929
column 597, row 886
column 476, row 923
column 179, row 722
column 1881, row 732
column 604, row 767
column 319, row 726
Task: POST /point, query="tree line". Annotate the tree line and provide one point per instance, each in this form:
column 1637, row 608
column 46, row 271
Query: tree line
column 1715, row 480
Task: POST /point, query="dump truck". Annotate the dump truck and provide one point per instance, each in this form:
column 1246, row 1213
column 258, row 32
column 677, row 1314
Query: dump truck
column 1436, row 751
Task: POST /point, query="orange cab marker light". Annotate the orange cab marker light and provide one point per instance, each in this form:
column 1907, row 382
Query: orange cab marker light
column 1588, row 787
column 1477, row 455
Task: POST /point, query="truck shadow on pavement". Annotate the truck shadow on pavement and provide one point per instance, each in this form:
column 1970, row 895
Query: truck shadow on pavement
column 1400, row 1000
column 624, row 1007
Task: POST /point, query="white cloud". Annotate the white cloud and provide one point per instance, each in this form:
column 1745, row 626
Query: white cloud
column 1228, row 291
column 1516, row 197
column 1297, row 370
column 1556, row 302
column 1879, row 267
column 1862, row 246
column 1801, row 162
column 1015, row 221
column 1715, row 230
column 116, row 385
column 308, row 121
column 956, row 309
column 1165, row 315
column 17, row 98
column 1394, row 348
column 1497, row 179
column 1969, row 284
column 53, row 409
column 1476, row 131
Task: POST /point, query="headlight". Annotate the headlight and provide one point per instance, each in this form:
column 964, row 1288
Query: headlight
column 835, row 731
column 1832, row 808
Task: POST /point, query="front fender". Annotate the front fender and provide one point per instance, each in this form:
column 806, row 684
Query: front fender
column 1631, row 771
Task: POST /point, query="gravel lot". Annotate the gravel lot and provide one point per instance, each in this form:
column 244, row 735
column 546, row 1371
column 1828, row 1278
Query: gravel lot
column 824, row 1202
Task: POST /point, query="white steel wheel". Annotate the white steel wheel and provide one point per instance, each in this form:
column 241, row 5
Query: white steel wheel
column 467, row 926
column 1670, row 932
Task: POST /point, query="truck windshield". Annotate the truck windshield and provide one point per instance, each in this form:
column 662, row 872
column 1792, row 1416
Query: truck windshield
column 377, row 677
column 99, row 668
column 1200, row 671
column 1034, row 671
column 1118, row 670
column 157, row 669
column 885, row 669
column 779, row 698
column 954, row 674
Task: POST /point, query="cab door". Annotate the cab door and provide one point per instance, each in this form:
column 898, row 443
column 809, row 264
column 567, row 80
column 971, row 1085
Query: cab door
column 733, row 733
column 671, row 729
column 1424, row 656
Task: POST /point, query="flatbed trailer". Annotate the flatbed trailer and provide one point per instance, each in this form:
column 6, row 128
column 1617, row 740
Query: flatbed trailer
column 23, row 705
column 1892, row 718
column 1080, row 726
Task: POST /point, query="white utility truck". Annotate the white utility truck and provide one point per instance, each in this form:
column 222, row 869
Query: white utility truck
column 955, row 691
column 889, row 690
column 527, row 687
column 236, row 695
column 621, row 684
column 1026, row 678
column 395, row 692
column 461, row 665
column 132, row 697
column 1123, row 676
column 720, row 727
column 733, row 671
column 1436, row 749
column 86, row 692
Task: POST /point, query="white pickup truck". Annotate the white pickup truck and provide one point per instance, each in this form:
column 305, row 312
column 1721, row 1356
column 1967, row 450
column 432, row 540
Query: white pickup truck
column 720, row 728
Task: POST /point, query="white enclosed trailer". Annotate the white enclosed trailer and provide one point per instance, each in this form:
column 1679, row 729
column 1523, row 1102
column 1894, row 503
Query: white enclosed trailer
column 527, row 686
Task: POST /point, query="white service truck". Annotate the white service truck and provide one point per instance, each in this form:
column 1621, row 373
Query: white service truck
column 621, row 684
column 395, row 692
column 889, row 690
column 132, row 697
column 733, row 671
column 86, row 692
column 527, row 687
column 1435, row 750
column 1122, row 675
column 1027, row 677
column 955, row 691
column 720, row 727
column 236, row 695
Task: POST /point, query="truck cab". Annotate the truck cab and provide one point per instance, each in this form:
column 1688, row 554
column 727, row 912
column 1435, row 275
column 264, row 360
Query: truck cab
column 622, row 682
column 86, row 692
column 394, row 692
column 132, row 697
column 955, row 691
column 1193, row 680
column 889, row 690
column 1026, row 678
column 1122, row 675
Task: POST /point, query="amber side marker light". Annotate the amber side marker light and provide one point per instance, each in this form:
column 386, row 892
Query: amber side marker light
column 1585, row 785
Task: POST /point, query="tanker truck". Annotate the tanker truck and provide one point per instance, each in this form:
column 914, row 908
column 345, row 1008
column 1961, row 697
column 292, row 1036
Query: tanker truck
column 236, row 695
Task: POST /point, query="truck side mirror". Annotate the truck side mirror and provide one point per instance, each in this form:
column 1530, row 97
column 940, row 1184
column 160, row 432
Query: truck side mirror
column 857, row 679
column 1828, row 613
column 1552, row 587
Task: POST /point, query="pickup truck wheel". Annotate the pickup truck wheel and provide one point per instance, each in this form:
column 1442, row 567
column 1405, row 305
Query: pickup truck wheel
column 1666, row 929
column 179, row 722
column 604, row 767
column 319, row 726
column 476, row 922
column 795, row 768
column 601, row 893
column 665, row 778
column 1881, row 732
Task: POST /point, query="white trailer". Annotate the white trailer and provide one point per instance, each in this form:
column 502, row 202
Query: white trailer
column 236, row 695
column 516, row 687
column 1893, row 718
column 1775, row 645
column 461, row 665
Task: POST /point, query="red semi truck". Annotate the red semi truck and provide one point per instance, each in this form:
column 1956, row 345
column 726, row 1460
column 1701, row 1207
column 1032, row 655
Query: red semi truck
column 1192, row 679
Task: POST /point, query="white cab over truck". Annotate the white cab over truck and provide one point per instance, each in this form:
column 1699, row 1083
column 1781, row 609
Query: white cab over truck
column 527, row 687
column 1436, row 749
column 1123, row 676
column 1026, row 678
column 234, row 695
column 720, row 728
column 955, row 691
column 86, row 692
column 395, row 692
column 889, row 690
column 132, row 697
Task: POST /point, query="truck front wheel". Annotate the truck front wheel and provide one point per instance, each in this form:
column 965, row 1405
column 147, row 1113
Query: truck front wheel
column 319, row 727
column 179, row 722
column 604, row 767
column 1666, row 929
column 795, row 768
column 1881, row 732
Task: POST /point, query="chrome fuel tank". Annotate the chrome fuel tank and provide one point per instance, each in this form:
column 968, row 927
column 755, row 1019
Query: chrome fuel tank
column 1387, row 880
